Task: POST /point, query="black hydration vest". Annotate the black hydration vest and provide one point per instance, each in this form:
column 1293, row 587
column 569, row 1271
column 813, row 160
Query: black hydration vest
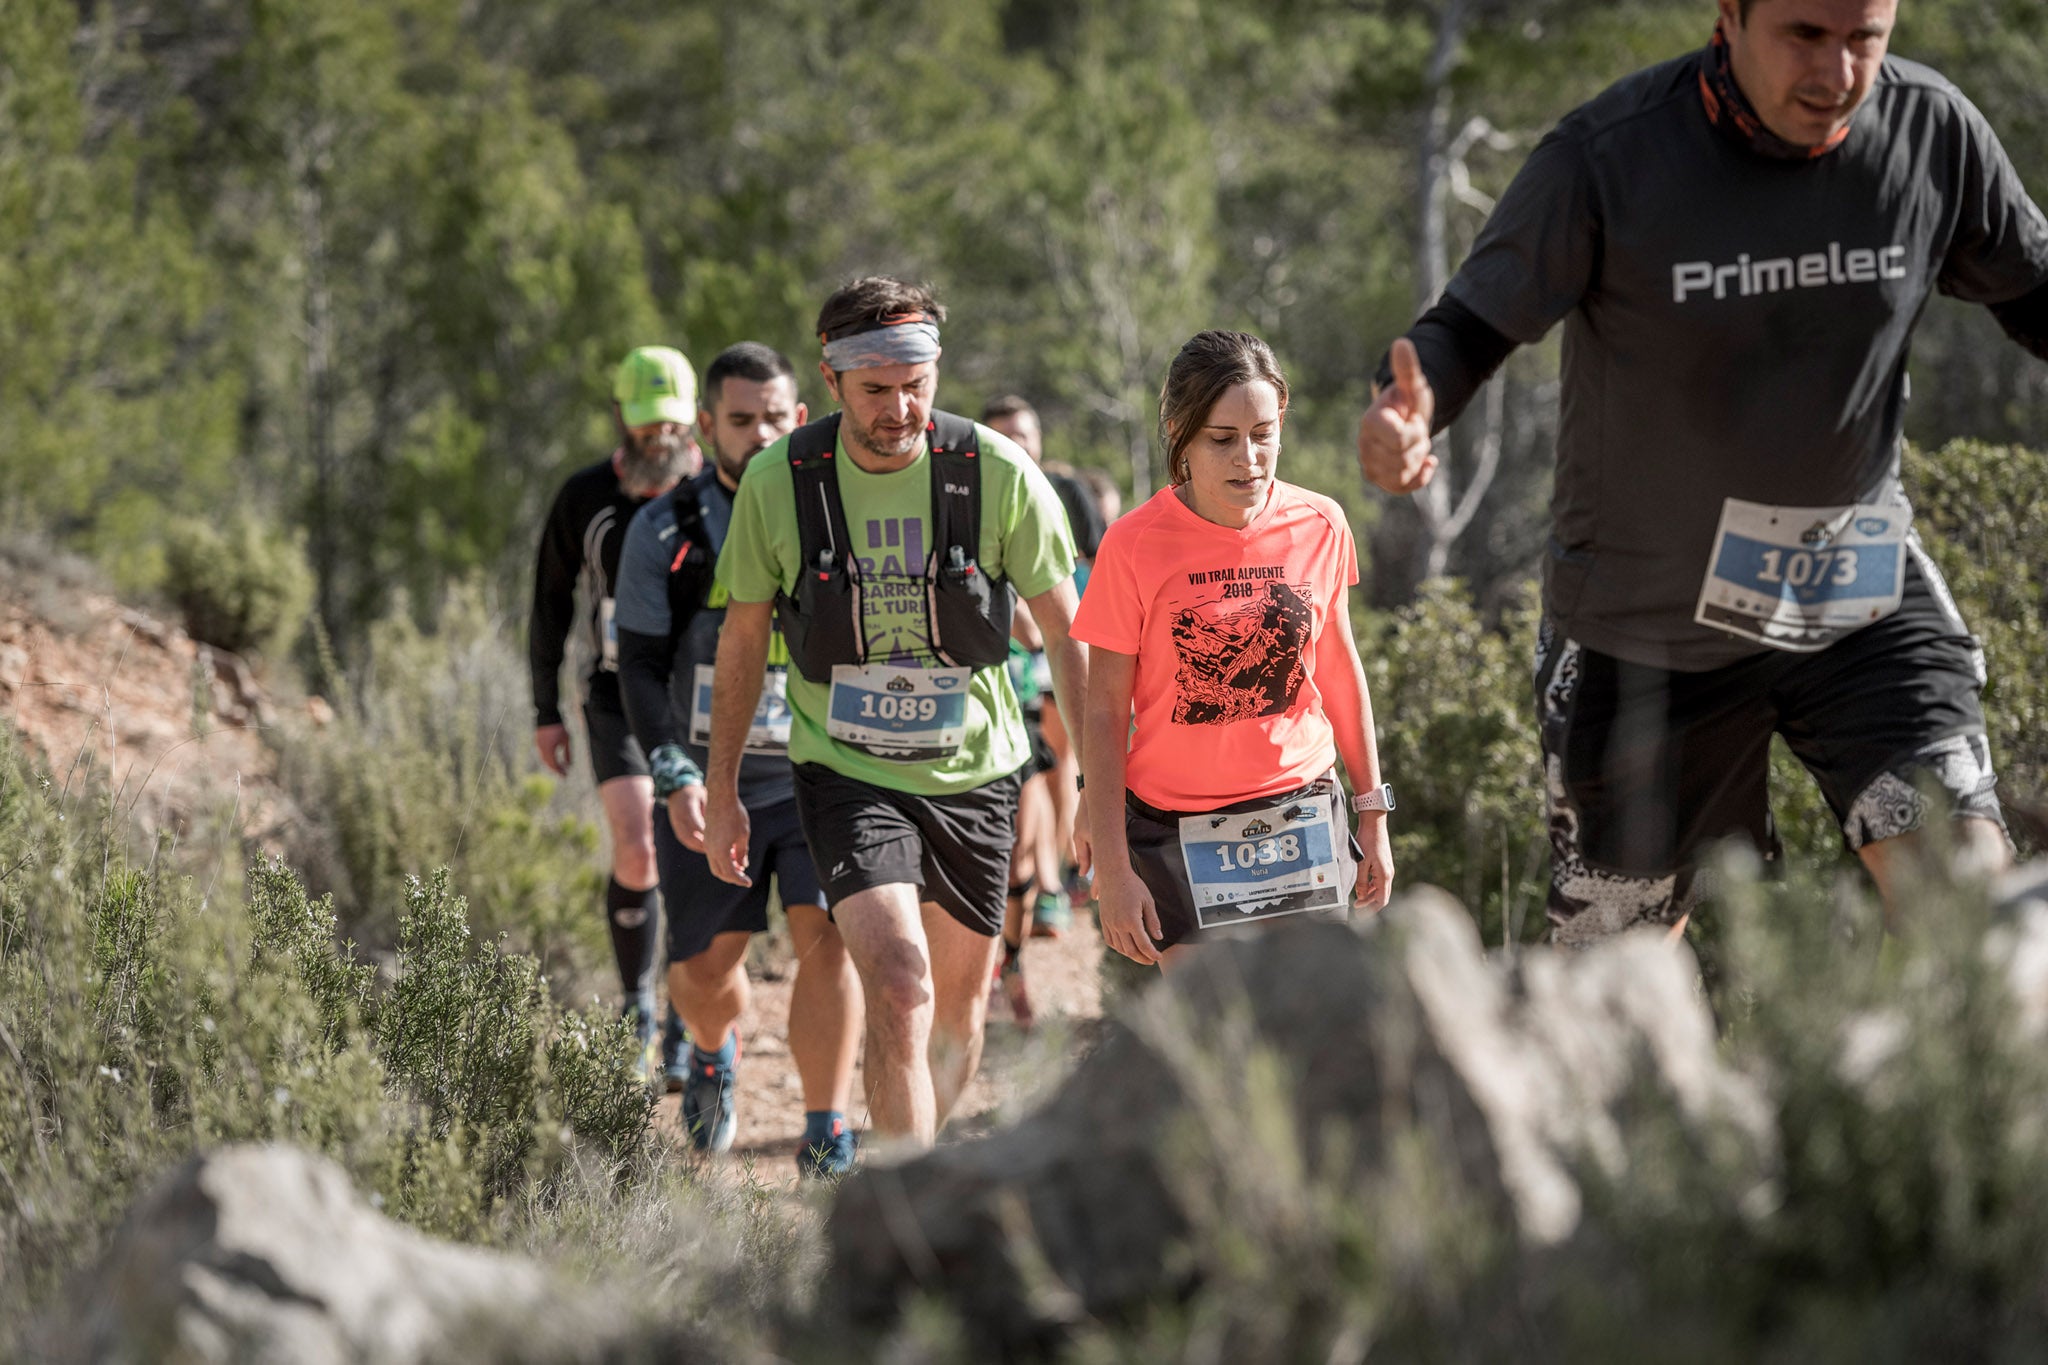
column 967, row 617
column 690, row 574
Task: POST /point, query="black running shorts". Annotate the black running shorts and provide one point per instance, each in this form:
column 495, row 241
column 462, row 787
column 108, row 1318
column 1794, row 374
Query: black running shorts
column 955, row 848
column 1646, row 768
column 613, row 750
column 700, row 907
column 1154, row 838
column 1043, row 759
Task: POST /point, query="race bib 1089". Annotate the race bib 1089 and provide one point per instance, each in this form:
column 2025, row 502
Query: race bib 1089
column 906, row 714
column 1801, row 578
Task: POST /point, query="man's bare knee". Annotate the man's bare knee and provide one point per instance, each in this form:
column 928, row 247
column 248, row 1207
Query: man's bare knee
column 899, row 984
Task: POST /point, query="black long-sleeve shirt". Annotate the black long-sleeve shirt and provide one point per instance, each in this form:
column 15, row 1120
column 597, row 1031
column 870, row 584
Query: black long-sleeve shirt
column 1736, row 327
column 579, row 547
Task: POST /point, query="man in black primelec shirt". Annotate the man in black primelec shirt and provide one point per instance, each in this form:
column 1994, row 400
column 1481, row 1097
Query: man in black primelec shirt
column 1738, row 242
column 654, row 407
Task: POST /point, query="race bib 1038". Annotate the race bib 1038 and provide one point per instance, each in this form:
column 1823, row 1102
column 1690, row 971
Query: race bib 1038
column 769, row 732
column 1259, row 864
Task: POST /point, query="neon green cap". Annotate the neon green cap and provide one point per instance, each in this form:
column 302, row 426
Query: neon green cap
column 655, row 384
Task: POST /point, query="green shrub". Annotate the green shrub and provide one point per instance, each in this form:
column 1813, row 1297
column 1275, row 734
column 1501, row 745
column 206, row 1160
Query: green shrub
column 1457, row 735
column 429, row 764
column 1982, row 513
column 241, row 585
column 140, row 1021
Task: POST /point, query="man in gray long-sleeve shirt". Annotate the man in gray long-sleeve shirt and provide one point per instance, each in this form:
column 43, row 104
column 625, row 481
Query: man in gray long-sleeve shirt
column 1738, row 243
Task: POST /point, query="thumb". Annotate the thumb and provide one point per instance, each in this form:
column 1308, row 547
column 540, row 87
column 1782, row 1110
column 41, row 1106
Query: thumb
column 1410, row 384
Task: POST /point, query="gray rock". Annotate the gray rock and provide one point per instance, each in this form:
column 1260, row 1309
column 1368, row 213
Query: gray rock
column 1399, row 1035
column 266, row 1254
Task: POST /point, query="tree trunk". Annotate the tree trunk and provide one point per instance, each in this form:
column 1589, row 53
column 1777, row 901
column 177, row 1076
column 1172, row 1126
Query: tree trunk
column 310, row 157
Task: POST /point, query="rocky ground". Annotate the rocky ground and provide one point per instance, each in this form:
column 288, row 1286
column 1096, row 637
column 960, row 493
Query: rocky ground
column 173, row 727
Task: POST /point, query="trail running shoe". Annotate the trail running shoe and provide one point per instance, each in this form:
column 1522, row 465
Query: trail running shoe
column 1051, row 914
column 1010, row 972
column 707, row 1107
column 675, row 1052
column 1080, row 889
column 830, row 1159
column 640, row 1014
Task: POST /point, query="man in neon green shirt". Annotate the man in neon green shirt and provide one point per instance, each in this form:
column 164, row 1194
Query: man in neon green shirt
column 892, row 536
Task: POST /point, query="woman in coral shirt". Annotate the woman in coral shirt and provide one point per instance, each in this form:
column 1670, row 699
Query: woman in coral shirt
column 1224, row 682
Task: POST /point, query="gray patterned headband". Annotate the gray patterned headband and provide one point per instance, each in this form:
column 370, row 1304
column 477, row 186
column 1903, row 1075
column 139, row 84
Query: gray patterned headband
column 906, row 339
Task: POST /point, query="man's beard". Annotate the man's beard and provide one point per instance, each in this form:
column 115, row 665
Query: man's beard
column 730, row 467
column 865, row 438
column 650, row 465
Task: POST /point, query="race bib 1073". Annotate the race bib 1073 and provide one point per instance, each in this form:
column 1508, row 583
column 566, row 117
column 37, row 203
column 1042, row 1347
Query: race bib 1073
column 1801, row 578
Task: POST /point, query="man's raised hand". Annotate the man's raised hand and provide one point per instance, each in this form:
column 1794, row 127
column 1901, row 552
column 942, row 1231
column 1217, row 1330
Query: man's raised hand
column 1393, row 436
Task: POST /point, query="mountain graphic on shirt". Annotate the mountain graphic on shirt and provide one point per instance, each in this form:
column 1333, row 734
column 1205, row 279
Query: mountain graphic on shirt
column 1245, row 663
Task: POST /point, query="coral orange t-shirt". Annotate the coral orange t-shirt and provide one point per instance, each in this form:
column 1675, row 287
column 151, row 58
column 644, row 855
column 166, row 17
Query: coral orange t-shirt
column 1225, row 625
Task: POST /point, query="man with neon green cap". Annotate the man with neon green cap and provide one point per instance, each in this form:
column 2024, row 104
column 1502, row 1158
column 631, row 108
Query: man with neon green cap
column 654, row 408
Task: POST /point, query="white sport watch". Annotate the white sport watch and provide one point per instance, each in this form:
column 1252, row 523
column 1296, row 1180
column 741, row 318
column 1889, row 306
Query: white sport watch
column 1379, row 798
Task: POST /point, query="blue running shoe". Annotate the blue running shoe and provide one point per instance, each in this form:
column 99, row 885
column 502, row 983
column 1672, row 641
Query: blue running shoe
column 675, row 1043
column 830, row 1158
column 707, row 1108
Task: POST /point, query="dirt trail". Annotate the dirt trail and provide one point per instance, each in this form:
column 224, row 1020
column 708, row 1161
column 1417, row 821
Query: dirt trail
column 1066, row 993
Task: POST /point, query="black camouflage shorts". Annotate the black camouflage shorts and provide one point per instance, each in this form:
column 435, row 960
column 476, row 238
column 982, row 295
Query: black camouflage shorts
column 1646, row 769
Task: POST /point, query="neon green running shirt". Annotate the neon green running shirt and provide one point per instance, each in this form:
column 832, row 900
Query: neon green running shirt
column 1024, row 537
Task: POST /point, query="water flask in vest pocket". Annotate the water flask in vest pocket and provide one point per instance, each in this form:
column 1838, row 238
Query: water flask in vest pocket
column 970, row 616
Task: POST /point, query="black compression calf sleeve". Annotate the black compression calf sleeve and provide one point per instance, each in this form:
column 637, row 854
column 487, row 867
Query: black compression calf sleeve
column 631, row 917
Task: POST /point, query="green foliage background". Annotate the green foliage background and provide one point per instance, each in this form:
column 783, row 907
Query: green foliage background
column 364, row 269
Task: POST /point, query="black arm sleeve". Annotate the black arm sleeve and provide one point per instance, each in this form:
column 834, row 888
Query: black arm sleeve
column 2025, row 320
column 554, row 610
column 1459, row 353
column 645, row 662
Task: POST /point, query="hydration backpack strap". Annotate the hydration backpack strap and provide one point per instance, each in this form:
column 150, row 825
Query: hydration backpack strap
column 688, row 505
column 820, row 515
column 956, row 487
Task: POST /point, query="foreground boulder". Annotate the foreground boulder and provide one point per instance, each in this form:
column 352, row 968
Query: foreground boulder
column 266, row 1253
column 1397, row 1037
